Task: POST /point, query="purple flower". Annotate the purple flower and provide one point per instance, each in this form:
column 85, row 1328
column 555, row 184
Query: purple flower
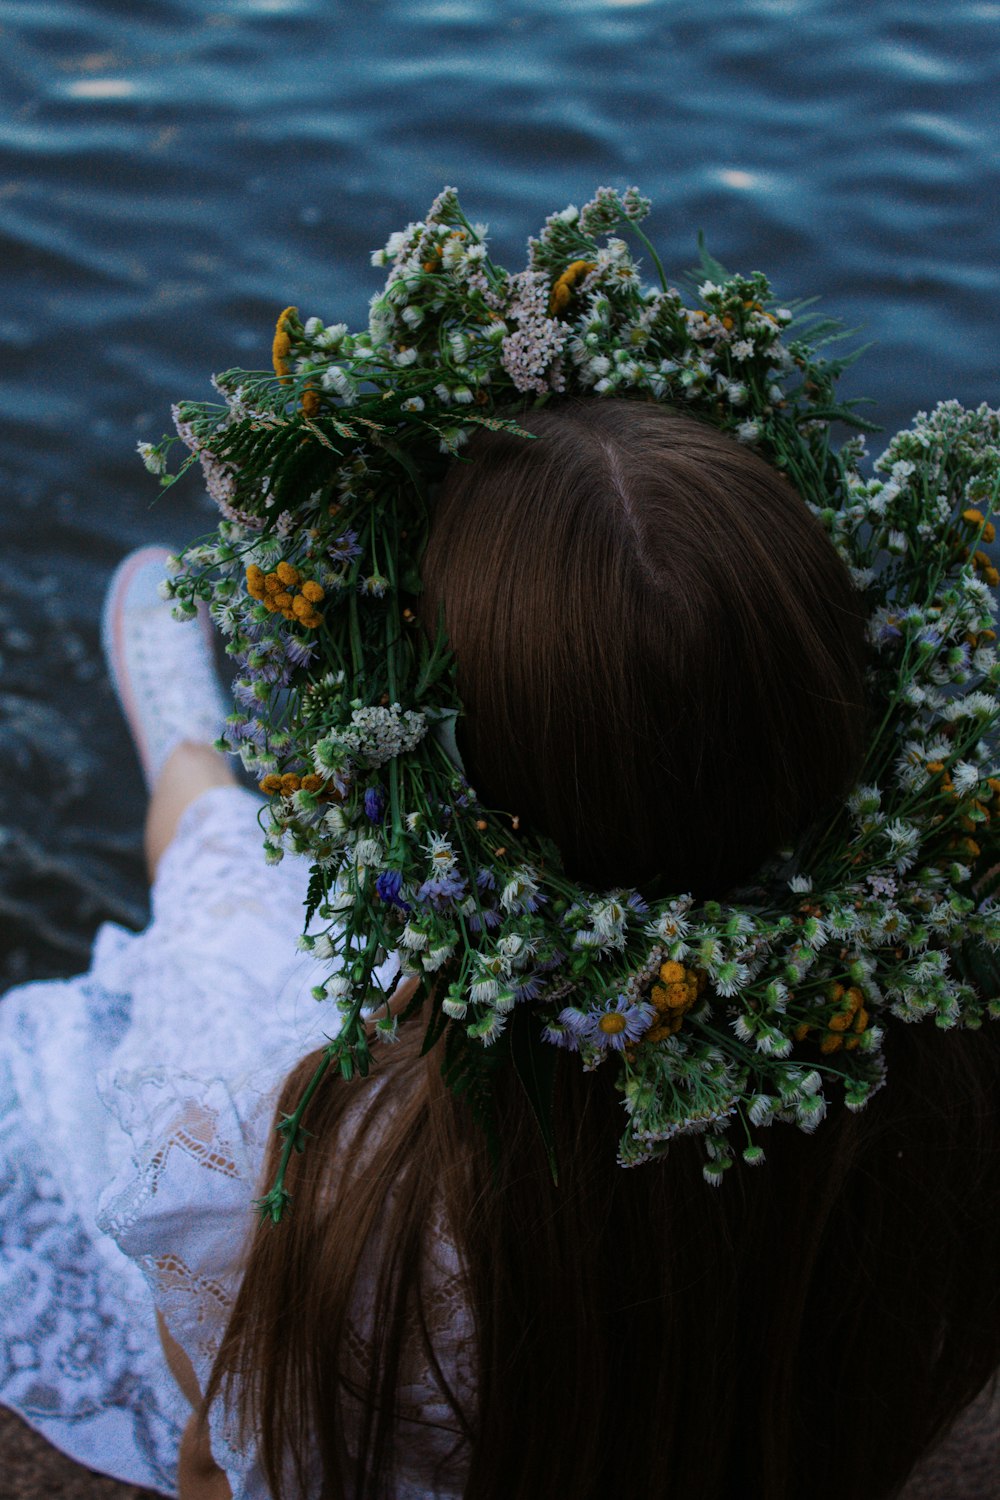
column 345, row 547
column 485, row 879
column 374, row 804
column 490, row 919
column 619, row 1021
column 529, row 987
column 388, row 885
column 443, row 888
column 624, row 1021
column 300, row 653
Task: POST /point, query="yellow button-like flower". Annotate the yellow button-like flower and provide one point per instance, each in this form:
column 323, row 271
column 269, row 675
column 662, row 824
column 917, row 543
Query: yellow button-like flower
column 672, row 972
column 281, row 346
column 563, row 286
column 288, row 574
column 312, row 591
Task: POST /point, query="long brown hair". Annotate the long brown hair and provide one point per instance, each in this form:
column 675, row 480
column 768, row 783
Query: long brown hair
column 661, row 659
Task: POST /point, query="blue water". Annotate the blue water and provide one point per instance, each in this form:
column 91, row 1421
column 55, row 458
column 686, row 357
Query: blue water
column 172, row 173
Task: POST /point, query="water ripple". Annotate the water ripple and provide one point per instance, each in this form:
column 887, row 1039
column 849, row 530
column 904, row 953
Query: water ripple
column 172, row 173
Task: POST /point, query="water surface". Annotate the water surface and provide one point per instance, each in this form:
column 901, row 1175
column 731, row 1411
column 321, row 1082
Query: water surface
column 172, row 173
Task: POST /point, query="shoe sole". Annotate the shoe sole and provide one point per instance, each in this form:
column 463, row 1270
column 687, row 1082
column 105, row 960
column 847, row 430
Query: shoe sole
column 112, row 639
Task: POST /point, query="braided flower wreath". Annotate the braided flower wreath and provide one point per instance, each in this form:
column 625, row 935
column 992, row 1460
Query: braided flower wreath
column 720, row 1015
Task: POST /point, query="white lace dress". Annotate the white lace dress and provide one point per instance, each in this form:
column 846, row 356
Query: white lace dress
column 134, row 1106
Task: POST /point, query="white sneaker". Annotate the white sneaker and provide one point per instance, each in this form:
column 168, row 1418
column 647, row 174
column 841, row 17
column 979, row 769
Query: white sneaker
column 162, row 669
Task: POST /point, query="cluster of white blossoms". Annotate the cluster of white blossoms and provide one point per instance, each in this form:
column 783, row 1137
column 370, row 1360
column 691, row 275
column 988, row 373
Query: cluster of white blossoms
column 716, row 1014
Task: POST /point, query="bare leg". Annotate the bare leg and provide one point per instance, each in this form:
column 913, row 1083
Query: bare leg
column 189, row 770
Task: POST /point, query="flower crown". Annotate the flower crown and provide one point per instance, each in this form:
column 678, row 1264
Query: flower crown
column 720, row 1017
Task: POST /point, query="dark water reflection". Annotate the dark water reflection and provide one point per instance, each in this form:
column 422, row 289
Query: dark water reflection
column 172, row 172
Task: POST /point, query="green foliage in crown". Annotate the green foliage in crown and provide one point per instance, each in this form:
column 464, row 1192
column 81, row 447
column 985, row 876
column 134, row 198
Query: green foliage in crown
column 720, row 1017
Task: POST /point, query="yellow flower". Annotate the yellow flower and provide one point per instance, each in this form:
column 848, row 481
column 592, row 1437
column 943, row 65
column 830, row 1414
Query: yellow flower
column 612, row 1023
column 312, row 782
column 310, row 403
column 255, row 582
column 281, row 347
column 270, row 784
column 312, row 591
column 831, row 1043
column 288, row 575
column 672, row 972
column 562, row 288
column 976, row 518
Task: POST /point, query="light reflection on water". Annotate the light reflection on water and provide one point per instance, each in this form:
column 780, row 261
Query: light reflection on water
column 170, row 175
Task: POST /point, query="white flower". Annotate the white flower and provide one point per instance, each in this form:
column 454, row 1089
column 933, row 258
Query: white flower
column 800, row 884
column 440, row 853
column 455, row 1009
column 338, row 380
column 743, row 349
column 406, row 356
column 337, row 987
column 411, row 937
column 904, row 840
column 368, row 852
column 864, row 801
column 748, row 432
column 761, row 1110
column 413, row 403
column 965, row 777
column 482, row 991
column 973, row 705
column 520, row 891
column 332, row 337
column 377, row 735
column 155, row 462
column 707, row 289
column 438, row 956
